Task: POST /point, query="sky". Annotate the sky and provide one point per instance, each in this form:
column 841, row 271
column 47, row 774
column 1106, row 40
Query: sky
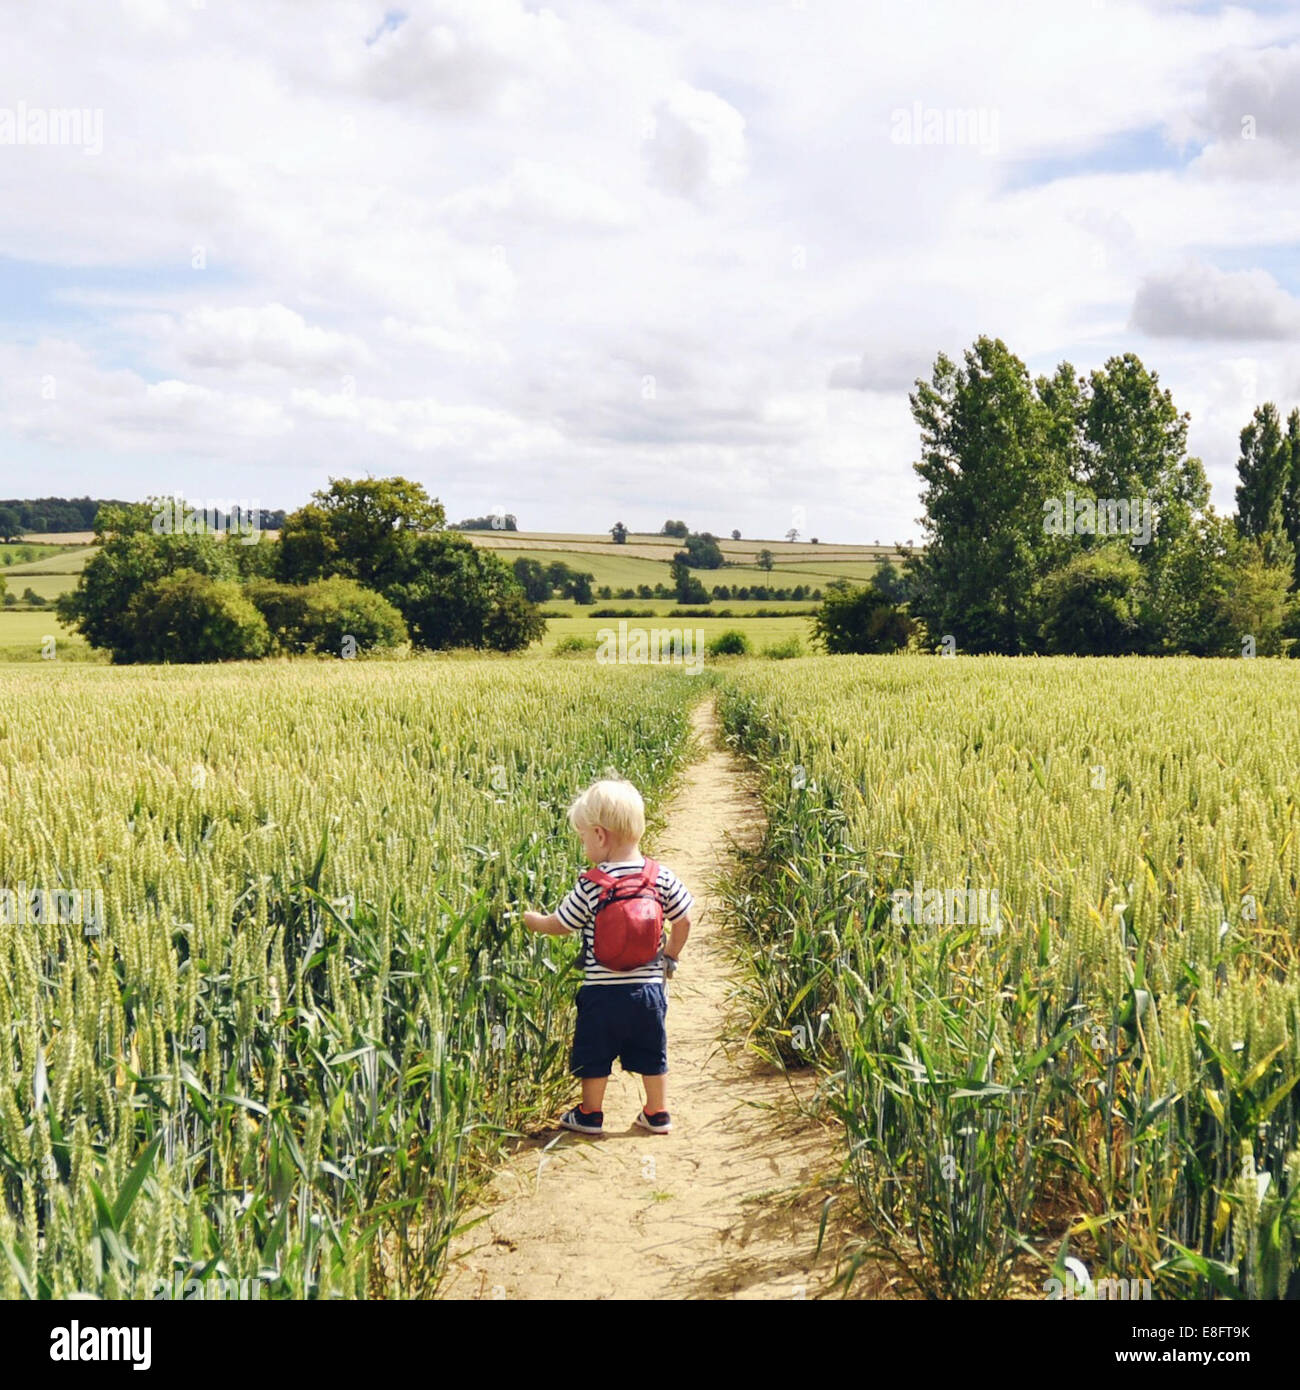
column 605, row 260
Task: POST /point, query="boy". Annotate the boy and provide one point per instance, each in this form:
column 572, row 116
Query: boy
column 620, row 1012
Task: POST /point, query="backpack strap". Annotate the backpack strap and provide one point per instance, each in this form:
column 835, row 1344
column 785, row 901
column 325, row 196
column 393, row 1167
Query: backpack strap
column 648, row 877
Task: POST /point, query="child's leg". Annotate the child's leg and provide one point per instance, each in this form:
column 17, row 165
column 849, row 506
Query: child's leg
column 656, row 1093
column 592, row 1051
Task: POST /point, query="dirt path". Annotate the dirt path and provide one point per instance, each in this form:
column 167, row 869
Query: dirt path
column 728, row 1204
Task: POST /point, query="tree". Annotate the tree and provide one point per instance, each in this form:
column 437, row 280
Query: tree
column 766, row 560
column 891, row 583
column 1257, row 602
column 260, row 560
column 497, row 521
column 989, row 464
column 679, row 529
column 131, row 555
column 1264, row 468
column 1134, row 445
column 814, row 541
column 735, row 535
column 456, row 594
column 1216, row 588
column 532, row 579
column 11, row 525
column 1291, row 504
column 689, row 588
column 619, row 532
column 704, row 551
column 1093, row 605
column 792, row 535
column 309, row 548
column 570, row 583
column 190, row 617
column 362, row 529
column 860, row 620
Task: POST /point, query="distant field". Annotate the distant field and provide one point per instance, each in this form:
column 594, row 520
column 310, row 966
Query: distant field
column 43, row 554
column 49, row 586
column 72, row 538
column 662, row 547
column 761, row 632
column 644, row 560
column 55, row 572
column 63, row 559
column 663, row 606
column 22, row 634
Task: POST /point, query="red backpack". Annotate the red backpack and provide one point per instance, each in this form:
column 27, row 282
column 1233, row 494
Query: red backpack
column 629, row 918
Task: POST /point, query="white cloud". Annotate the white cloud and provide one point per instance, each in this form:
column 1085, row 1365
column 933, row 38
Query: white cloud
column 535, row 191
column 465, row 55
column 696, row 142
column 270, row 335
column 1200, row 301
column 1251, row 114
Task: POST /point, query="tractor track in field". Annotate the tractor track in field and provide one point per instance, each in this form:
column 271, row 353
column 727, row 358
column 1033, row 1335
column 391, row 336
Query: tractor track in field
column 726, row 1206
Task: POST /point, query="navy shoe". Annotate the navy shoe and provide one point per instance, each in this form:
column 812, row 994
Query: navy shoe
column 582, row 1122
column 656, row 1124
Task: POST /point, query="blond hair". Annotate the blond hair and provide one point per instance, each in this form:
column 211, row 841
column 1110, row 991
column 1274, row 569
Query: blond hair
column 615, row 806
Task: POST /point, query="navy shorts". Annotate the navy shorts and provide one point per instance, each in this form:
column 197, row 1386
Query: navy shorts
column 623, row 1021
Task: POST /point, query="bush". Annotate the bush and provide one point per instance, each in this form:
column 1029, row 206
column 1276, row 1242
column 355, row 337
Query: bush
column 784, row 650
column 860, row 620
column 188, row 617
column 573, row 645
column 729, row 643
column 1092, row 606
column 318, row 617
column 32, row 598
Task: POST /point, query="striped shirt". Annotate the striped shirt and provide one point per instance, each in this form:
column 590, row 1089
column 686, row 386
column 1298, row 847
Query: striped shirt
column 577, row 912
